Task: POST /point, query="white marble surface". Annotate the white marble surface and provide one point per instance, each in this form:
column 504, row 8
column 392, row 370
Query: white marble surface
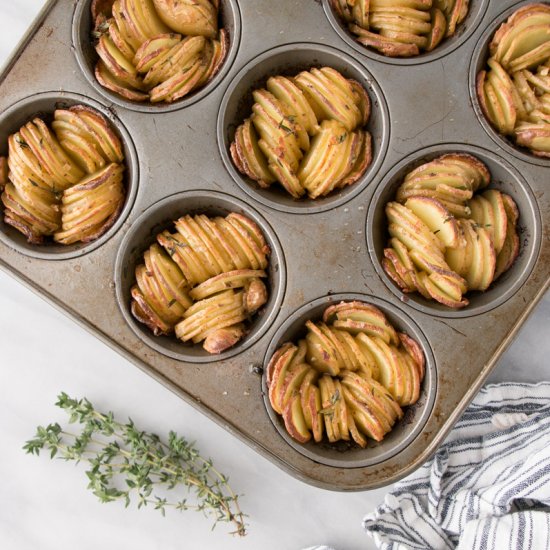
column 44, row 504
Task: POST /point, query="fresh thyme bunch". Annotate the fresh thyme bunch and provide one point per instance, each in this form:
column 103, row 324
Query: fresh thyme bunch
column 124, row 460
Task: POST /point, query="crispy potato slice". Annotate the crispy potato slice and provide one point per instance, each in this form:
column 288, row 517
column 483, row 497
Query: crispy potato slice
column 509, row 252
column 222, row 339
column 321, row 354
column 153, row 48
column 295, row 424
column 189, row 17
column 331, row 96
column 293, row 98
column 239, row 278
column 119, row 66
column 210, row 314
column 276, row 374
column 253, row 161
column 111, row 82
column 438, row 219
column 387, row 46
column 92, row 206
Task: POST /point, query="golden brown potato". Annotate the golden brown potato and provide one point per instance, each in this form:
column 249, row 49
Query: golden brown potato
column 401, row 28
column 203, row 281
column 345, row 382
column 306, row 133
column 190, row 17
column 514, row 89
column 90, row 208
column 67, row 183
column 157, row 50
column 444, row 240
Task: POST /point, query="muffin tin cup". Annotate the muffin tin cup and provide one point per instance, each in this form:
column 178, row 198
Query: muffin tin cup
column 82, row 24
column 143, row 233
column 345, row 454
column 43, row 105
column 504, row 177
column 475, row 15
column 289, row 60
column 477, row 64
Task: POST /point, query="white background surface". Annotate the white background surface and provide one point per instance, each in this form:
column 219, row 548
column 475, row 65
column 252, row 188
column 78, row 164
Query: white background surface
column 44, row 504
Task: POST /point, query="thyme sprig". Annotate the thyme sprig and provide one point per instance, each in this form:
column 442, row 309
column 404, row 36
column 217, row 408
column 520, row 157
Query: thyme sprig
column 124, row 460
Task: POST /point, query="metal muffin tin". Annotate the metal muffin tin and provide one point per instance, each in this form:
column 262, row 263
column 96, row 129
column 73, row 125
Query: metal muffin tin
column 321, row 252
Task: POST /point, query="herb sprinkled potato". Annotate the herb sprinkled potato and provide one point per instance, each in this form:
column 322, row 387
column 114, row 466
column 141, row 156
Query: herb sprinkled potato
column 514, row 88
column 307, row 133
column 65, row 182
column 348, row 379
column 203, row 282
column 157, row 50
column 448, row 234
column 401, row 28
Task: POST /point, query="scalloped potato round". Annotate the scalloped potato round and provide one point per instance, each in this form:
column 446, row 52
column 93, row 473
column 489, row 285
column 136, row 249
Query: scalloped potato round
column 306, row 133
column 203, row 281
column 65, row 182
column 347, row 379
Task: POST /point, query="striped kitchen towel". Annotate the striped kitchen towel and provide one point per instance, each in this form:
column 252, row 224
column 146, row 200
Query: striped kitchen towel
column 488, row 485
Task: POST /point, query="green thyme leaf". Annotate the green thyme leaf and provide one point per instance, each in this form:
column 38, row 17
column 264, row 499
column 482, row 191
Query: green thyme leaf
column 285, row 128
column 21, row 142
column 125, row 462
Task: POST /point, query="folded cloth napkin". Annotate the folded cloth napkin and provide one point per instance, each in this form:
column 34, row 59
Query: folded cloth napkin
column 488, row 485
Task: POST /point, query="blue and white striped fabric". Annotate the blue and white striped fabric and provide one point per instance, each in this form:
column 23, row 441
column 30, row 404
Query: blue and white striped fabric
column 488, row 485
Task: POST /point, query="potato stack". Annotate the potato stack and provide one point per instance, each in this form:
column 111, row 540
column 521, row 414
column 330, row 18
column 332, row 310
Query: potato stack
column 444, row 240
column 157, row 50
column 203, row 281
column 402, row 28
column 348, row 378
column 307, row 133
column 514, row 91
column 66, row 184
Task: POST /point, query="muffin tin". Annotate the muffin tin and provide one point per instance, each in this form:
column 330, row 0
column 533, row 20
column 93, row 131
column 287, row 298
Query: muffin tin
column 322, row 251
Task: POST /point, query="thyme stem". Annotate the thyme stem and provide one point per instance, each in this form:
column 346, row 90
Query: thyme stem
column 123, row 460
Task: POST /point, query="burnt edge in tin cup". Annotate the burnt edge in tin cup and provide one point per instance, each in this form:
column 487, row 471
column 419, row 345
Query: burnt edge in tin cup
column 504, row 177
column 289, row 60
column 43, row 105
column 82, row 25
column 472, row 21
column 142, row 234
column 405, row 431
column 478, row 62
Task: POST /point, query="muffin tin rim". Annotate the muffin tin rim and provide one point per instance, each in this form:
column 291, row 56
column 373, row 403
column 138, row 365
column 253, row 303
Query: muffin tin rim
column 266, row 318
column 148, row 107
column 429, row 384
column 318, row 205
